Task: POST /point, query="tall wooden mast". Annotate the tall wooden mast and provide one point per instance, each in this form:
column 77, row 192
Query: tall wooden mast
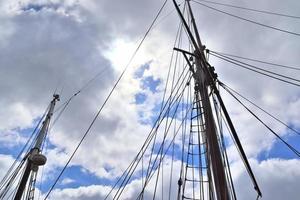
column 205, row 78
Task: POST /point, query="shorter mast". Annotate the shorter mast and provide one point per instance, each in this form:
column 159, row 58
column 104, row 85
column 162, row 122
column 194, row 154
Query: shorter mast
column 35, row 158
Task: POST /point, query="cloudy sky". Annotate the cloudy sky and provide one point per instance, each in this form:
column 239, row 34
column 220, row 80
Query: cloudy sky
column 48, row 45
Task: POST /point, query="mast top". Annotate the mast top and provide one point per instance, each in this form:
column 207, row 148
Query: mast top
column 56, row 97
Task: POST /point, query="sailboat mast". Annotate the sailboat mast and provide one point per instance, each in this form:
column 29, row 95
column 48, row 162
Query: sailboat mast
column 34, row 157
column 203, row 81
column 205, row 84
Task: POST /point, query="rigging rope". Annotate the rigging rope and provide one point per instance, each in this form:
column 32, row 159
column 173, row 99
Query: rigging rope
column 165, row 90
column 183, row 132
column 174, row 100
column 250, row 9
column 172, row 141
column 106, row 100
column 169, row 109
column 148, row 139
column 268, row 127
column 255, row 60
column 258, row 68
column 84, row 87
column 248, row 20
column 259, row 72
column 260, row 108
column 167, row 15
column 146, row 144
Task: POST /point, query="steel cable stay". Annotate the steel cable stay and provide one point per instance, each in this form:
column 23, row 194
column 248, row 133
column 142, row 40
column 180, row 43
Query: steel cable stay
column 126, row 172
column 184, row 112
column 166, row 85
column 173, row 148
column 169, row 109
column 79, row 91
column 157, row 122
column 167, row 15
column 163, row 114
column 166, row 131
column 175, row 99
column 152, row 132
column 123, row 175
column 257, row 71
column 173, row 145
column 250, row 9
column 295, row 151
column 247, row 20
column 254, row 60
column 262, row 109
column 124, row 183
column 160, row 152
column 147, row 141
column 172, row 141
column 169, row 105
column 255, row 67
column 143, row 150
column 172, row 162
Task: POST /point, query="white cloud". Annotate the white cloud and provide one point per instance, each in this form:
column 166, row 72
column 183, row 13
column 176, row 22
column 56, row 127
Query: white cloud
column 90, row 192
column 5, row 162
column 277, row 178
column 11, row 138
column 66, row 181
